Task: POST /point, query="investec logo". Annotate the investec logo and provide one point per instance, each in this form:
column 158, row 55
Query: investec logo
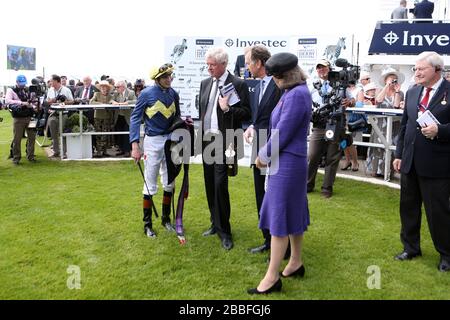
column 417, row 40
column 247, row 43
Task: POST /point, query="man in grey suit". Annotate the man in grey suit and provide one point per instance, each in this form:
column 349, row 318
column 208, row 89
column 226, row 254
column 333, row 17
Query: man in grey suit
column 122, row 97
column 267, row 95
column 423, row 157
column 218, row 118
column 400, row 12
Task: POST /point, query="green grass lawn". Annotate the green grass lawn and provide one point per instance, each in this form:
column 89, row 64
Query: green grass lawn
column 88, row 214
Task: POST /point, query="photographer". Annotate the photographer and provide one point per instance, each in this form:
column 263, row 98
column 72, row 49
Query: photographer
column 318, row 143
column 19, row 103
column 57, row 94
column 389, row 97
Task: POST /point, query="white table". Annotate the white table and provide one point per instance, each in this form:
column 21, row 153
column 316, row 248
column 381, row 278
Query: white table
column 61, row 108
column 386, row 141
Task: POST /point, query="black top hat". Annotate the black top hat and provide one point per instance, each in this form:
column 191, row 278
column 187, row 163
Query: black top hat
column 280, row 63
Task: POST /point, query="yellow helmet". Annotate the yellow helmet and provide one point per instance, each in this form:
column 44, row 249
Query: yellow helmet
column 159, row 71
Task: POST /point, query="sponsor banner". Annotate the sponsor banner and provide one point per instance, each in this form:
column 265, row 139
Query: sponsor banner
column 188, row 56
column 410, row 38
column 310, row 49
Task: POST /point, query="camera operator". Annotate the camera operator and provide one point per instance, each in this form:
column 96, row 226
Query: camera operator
column 57, row 94
column 18, row 100
column 318, row 144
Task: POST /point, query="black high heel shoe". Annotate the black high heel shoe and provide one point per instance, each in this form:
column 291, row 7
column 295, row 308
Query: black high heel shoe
column 275, row 288
column 347, row 166
column 300, row 272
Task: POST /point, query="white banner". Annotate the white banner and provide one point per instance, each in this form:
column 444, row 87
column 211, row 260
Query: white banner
column 188, row 56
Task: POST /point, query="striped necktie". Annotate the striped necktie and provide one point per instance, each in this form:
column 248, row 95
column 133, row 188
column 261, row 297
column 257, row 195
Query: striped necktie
column 424, row 103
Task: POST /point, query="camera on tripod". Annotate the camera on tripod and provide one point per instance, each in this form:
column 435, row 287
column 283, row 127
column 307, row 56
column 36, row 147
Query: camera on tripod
column 331, row 113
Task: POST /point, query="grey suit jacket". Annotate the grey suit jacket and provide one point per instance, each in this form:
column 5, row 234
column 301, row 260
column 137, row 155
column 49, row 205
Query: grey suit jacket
column 128, row 96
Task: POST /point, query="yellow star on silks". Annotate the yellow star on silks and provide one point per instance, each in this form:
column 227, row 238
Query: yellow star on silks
column 160, row 107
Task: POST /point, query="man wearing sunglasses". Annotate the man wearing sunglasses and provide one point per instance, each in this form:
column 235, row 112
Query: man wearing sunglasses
column 158, row 105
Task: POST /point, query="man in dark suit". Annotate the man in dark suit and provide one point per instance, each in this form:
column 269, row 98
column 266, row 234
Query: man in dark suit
column 241, row 69
column 423, row 157
column 84, row 94
column 219, row 156
column 423, row 10
column 240, row 63
column 267, row 95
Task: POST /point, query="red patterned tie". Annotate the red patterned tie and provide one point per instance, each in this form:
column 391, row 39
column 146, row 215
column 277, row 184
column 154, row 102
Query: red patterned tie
column 85, row 94
column 424, row 103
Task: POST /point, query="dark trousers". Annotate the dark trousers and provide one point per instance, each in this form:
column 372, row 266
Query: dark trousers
column 435, row 195
column 317, row 147
column 259, row 181
column 122, row 139
column 216, row 185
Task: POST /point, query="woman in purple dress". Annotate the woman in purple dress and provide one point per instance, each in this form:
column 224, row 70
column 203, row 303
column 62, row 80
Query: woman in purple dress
column 285, row 207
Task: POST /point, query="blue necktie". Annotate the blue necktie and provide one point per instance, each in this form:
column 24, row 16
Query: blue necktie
column 325, row 88
column 261, row 91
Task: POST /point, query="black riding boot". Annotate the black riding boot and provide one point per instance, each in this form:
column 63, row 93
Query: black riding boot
column 147, row 208
column 165, row 218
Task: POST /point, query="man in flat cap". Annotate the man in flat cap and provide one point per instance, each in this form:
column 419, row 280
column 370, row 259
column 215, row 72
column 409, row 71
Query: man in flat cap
column 318, row 145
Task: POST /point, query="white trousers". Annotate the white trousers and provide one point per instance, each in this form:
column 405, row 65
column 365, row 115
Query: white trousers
column 154, row 164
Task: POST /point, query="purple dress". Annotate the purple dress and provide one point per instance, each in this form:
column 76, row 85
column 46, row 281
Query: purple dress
column 285, row 206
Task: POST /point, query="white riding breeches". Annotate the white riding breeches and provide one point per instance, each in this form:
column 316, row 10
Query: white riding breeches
column 154, row 164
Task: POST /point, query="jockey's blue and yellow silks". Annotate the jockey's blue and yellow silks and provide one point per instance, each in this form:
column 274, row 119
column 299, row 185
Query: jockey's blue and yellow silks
column 158, row 107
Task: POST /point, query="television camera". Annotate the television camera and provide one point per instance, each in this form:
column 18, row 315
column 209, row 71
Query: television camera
column 38, row 87
column 331, row 113
column 37, row 91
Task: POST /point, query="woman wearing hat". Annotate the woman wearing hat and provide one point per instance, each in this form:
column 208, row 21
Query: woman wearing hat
column 158, row 105
column 102, row 118
column 284, row 209
column 389, row 97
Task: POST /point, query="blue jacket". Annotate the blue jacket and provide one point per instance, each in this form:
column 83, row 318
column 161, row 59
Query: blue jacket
column 159, row 107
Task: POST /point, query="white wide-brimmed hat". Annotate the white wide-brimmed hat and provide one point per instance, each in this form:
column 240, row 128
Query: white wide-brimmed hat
column 364, row 75
column 391, row 71
column 104, row 83
column 370, row 86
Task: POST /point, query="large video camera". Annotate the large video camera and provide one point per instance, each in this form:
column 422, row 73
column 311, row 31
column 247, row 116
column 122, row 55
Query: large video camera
column 331, row 114
column 38, row 87
column 342, row 78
